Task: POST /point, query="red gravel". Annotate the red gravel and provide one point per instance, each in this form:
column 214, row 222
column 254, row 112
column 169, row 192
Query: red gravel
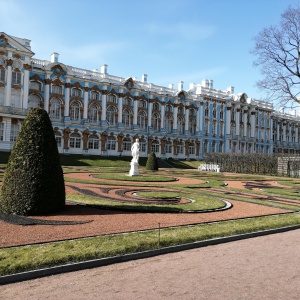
column 106, row 221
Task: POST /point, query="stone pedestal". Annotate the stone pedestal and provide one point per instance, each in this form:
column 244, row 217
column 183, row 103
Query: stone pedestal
column 134, row 169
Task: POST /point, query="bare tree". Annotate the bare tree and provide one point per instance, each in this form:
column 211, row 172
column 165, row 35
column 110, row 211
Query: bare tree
column 278, row 54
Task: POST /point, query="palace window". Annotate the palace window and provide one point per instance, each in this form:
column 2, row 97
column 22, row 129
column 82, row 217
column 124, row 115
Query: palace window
column 2, row 75
column 93, row 114
column 180, row 125
column 55, row 109
column 168, row 124
column 155, row 146
column 180, row 148
column 221, row 112
column 141, row 120
column 126, row 120
column 142, row 103
column 168, row 108
column 192, row 126
column 57, row 89
column 76, row 92
column 95, row 95
column 93, row 142
column 14, row 131
column 111, row 143
column 35, row 85
column 126, row 144
column 206, row 111
column 127, row 101
column 58, row 138
column 34, row 101
column 155, row 122
column 2, row 131
column 191, row 148
column 168, row 147
column 1, row 95
column 16, row 77
column 112, row 98
column 156, row 106
column 142, row 145
column 75, row 111
column 15, row 98
column 205, row 146
column 110, row 116
column 180, row 110
column 75, row 140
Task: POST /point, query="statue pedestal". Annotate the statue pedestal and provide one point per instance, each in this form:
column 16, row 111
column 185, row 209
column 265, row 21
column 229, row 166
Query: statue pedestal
column 134, row 169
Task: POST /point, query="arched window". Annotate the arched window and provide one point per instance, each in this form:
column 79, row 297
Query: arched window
column 126, row 120
column 33, row 101
column 93, row 114
column 155, row 146
column 111, row 143
column 192, row 126
column 168, row 108
column 75, row 111
column 180, row 125
column 126, row 144
column 55, row 109
column 110, row 116
column 93, row 142
column 57, row 89
column 206, row 111
column 75, row 140
column 58, row 138
column 141, row 120
column 168, row 147
column 168, row 124
column 35, row 85
column 180, row 148
column 155, row 106
column 155, row 122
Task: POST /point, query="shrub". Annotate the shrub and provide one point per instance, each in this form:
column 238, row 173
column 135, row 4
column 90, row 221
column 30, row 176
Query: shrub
column 33, row 182
column 152, row 163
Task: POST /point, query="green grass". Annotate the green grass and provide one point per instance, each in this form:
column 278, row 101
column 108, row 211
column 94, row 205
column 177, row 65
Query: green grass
column 125, row 177
column 200, row 203
column 25, row 258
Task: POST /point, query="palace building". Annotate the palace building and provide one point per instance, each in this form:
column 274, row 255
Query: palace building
column 96, row 113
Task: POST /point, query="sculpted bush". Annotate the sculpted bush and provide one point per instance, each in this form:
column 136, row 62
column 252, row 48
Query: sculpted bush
column 152, row 163
column 33, row 181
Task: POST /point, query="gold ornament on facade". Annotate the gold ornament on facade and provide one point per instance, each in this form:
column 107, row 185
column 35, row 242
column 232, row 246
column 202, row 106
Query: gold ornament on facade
column 85, row 138
column 9, row 62
column 3, row 40
column 27, row 67
column 66, row 136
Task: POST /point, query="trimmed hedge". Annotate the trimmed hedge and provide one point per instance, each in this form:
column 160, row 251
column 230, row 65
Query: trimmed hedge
column 152, row 163
column 33, row 181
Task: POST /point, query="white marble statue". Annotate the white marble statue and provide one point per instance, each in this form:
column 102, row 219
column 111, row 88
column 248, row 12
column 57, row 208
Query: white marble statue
column 135, row 150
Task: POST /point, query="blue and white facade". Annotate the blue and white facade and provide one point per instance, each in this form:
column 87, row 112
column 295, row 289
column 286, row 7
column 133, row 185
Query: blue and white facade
column 94, row 112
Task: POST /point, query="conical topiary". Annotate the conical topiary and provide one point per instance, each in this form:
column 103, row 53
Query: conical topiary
column 152, row 163
column 33, row 182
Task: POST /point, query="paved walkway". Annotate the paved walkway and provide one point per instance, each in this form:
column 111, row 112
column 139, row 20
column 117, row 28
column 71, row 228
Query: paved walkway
column 258, row 268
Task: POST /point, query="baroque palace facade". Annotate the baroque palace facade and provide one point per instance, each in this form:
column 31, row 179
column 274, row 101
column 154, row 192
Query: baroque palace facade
column 93, row 112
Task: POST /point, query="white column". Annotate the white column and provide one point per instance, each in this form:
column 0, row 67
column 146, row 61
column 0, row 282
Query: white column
column 104, row 95
column 162, row 113
column 150, row 113
column 228, row 119
column 187, row 116
column 245, row 123
column 237, row 121
column 201, row 117
column 120, row 107
column 26, row 86
column 135, row 111
column 85, row 100
column 284, row 132
column 67, row 98
column 252, row 122
column 47, row 92
column 8, row 82
column 175, row 117
column 271, row 130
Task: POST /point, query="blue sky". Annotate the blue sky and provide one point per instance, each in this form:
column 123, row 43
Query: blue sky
column 171, row 41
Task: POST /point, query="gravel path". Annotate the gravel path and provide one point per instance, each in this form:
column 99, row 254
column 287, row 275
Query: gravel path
column 258, row 268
